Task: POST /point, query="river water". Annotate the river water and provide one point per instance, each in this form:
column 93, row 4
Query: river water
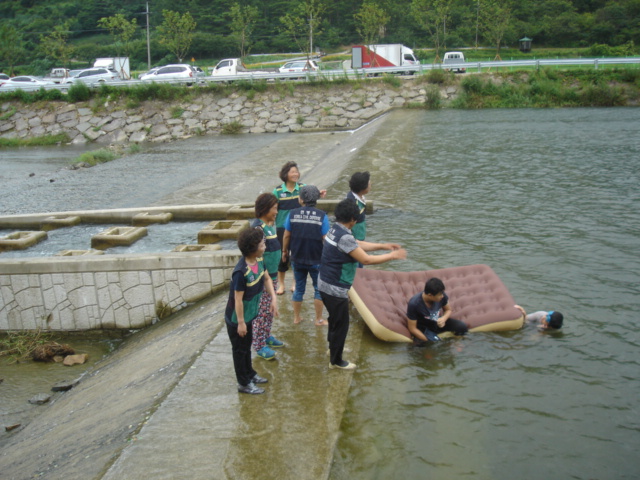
column 548, row 199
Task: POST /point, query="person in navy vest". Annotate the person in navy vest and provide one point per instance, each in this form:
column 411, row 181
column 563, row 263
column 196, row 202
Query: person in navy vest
column 305, row 228
column 340, row 256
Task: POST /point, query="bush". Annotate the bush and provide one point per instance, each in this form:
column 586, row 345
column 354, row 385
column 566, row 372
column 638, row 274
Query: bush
column 79, row 92
column 434, row 98
column 96, row 156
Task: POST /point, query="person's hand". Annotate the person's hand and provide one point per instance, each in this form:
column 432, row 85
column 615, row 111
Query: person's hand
column 285, row 255
column 274, row 307
column 399, row 254
column 323, row 193
column 521, row 310
column 441, row 322
column 392, row 246
column 242, row 329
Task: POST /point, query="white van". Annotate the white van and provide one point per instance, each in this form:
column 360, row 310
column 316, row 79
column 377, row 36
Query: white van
column 454, row 58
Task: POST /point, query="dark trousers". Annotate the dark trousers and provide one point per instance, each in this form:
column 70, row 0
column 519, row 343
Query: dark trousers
column 338, row 309
column 282, row 266
column 241, row 350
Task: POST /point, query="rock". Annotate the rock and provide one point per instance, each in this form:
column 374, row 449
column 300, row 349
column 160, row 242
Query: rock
column 64, row 386
column 8, row 428
column 77, row 359
column 40, row 399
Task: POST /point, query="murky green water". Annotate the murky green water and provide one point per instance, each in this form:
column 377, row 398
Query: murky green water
column 549, row 199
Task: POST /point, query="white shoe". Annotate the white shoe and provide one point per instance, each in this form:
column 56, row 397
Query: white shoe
column 344, row 366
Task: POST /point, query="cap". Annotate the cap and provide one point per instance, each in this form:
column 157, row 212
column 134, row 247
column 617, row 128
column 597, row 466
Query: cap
column 309, row 194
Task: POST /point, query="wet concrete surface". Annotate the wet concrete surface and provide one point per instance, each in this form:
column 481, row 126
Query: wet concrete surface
column 165, row 404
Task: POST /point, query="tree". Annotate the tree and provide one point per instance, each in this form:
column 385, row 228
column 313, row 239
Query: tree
column 122, row 31
column 370, row 22
column 432, row 15
column 303, row 23
column 56, row 45
column 243, row 21
column 11, row 46
column 495, row 18
column 176, row 32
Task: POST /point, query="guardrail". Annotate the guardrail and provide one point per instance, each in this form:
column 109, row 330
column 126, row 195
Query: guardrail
column 359, row 73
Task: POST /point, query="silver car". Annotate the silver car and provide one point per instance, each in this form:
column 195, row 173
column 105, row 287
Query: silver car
column 93, row 76
column 183, row 73
column 24, row 82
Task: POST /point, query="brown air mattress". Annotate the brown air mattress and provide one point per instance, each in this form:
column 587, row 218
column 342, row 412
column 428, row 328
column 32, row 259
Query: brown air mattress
column 476, row 294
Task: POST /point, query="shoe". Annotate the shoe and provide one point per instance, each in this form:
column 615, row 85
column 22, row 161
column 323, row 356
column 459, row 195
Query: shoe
column 344, row 365
column 250, row 389
column 258, row 379
column 266, row 353
column 274, row 342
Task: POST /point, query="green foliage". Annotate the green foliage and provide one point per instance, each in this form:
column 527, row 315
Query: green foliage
column 43, row 141
column 392, row 80
column 232, row 128
column 79, row 92
column 602, row 50
column 19, row 345
column 434, row 98
column 176, row 32
column 96, row 156
column 176, row 112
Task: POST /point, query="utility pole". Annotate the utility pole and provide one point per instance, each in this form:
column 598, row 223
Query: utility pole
column 148, row 42
column 310, row 35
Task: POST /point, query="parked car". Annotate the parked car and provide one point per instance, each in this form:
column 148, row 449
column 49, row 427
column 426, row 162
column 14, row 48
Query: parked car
column 25, row 82
column 92, row 76
column 170, row 73
column 299, row 66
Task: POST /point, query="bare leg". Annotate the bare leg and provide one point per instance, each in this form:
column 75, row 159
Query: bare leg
column 280, row 290
column 318, row 305
column 297, row 307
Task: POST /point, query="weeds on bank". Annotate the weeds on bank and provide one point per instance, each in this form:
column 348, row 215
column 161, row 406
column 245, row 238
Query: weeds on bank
column 43, row 141
column 18, row 346
column 543, row 88
column 96, row 156
column 232, row 128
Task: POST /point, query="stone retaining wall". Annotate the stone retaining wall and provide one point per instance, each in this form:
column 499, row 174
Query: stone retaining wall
column 278, row 109
column 110, row 292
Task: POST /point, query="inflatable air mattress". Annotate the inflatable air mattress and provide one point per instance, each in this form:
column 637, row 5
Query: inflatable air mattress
column 477, row 296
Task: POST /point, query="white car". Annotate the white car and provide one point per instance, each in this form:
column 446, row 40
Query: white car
column 170, row 73
column 92, row 76
column 299, row 66
column 24, row 82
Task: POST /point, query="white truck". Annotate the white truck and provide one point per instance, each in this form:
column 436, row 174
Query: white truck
column 234, row 66
column 455, row 60
column 120, row 65
column 391, row 55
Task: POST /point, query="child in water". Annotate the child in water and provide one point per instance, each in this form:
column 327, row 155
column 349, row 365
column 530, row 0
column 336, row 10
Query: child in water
column 550, row 320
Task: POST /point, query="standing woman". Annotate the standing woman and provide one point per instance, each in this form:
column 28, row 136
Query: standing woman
column 248, row 280
column 287, row 196
column 266, row 209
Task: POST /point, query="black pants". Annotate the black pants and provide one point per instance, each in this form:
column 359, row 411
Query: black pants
column 241, row 350
column 338, row 309
column 282, row 266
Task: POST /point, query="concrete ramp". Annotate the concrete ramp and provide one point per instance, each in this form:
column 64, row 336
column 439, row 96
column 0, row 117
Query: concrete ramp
column 165, row 405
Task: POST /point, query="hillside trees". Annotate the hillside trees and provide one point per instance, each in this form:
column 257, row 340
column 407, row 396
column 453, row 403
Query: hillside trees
column 176, row 32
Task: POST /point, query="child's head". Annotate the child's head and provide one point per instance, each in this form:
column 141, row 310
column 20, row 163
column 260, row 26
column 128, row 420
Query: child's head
column 554, row 320
column 250, row 240
column 346, row 211
column 264, row 203
column 287, row 169
column 359, row 182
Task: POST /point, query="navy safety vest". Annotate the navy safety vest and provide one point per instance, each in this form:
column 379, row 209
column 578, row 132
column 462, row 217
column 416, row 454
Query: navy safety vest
column 337, row 267
column 306, row 235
